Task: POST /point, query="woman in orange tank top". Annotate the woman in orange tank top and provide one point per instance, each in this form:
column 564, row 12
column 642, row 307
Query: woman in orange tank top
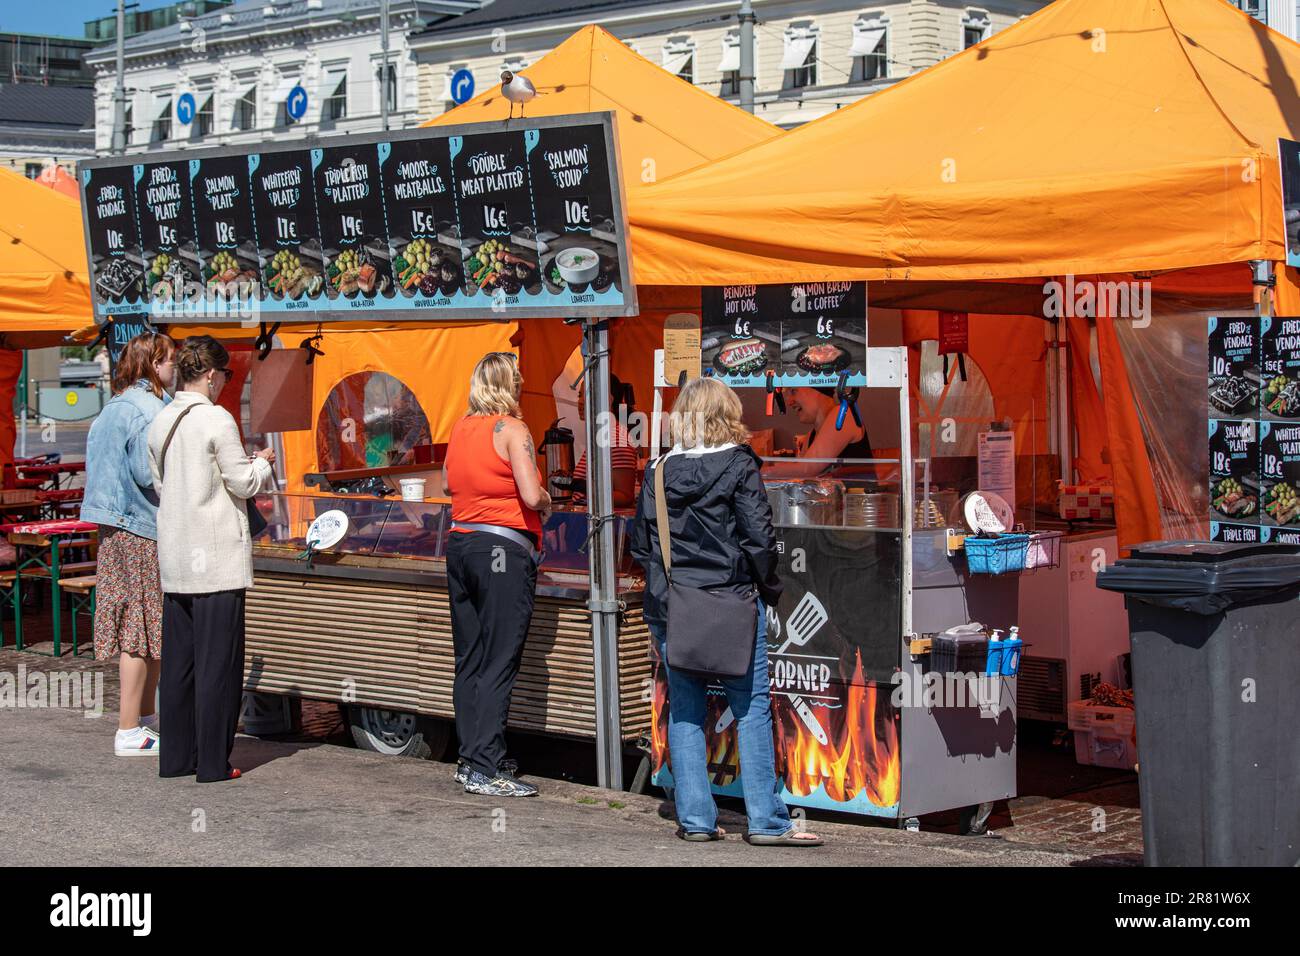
column 497, row 506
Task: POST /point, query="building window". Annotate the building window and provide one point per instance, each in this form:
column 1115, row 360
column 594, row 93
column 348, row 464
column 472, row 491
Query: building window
column 799, row 61
column 975, row 28
column 679, row 58
column 870, row 50
column 388, row 89
column 128, row 123
column 245, row 113
column 281, row 101
column 162, row 124
column 1256, row 8
column 203, row 119
column 335, row 105
column 33, row 170
column 729, row 65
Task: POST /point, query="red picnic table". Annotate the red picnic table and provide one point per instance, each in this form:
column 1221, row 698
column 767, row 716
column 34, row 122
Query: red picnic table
column 47, row 472
column 42, row 535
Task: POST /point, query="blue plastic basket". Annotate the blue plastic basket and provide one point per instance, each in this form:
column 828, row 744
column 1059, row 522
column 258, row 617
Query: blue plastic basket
column 997, row 555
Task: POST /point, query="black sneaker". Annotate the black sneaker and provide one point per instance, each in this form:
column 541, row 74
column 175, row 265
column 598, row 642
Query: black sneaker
column 507, row 766
column 499, row 786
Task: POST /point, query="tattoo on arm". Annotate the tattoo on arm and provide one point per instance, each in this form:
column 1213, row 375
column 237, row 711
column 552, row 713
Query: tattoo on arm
column 499, row 426
column 528, row 447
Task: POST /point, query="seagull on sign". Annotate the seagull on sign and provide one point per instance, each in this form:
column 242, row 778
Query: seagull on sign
column 517, row 89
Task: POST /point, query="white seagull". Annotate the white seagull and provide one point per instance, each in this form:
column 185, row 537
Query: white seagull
column 517, row 89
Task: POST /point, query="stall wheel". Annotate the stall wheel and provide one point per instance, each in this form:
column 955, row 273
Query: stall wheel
column 397, row 733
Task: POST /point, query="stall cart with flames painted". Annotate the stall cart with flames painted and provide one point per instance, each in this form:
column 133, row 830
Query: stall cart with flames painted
column 853, row 728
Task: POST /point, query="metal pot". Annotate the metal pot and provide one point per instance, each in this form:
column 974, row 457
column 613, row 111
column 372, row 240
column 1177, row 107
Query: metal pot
column 873, row 509
column 815, row 501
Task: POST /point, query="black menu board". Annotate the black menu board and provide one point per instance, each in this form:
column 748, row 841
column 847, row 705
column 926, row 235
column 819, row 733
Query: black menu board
column 353, row 231
column 803, row 334
column 223, row 216
column 1280, row 369
column 423, row 233
column 112, row 239
column 1279, row 456
column 284, row 219
column 165, row 216
column 466, row 222
column 1236, row 489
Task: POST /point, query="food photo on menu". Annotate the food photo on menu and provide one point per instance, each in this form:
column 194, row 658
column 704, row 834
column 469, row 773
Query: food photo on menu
column 223, row 215
column 1279, row 455
column 1234, row 477
column 166, row 221
column 353, row 234
column 1235, row 378
column 577, row 232
column 116, row 260
column 428, row 260
column 495, row 206
column 284, row 213
column 1280, row 368
column 738, row 341
column 823, row 332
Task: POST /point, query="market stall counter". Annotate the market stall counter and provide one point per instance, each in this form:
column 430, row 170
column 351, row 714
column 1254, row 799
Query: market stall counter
column 366, row 621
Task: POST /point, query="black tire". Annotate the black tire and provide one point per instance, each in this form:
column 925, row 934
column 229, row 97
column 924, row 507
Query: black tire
column 974, row 820
column 397, row 733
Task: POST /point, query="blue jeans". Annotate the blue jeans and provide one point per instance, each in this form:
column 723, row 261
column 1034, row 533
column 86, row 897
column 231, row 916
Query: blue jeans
column 752, row 708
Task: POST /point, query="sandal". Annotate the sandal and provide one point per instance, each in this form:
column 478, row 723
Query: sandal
column 788, row 838
column 699, row 836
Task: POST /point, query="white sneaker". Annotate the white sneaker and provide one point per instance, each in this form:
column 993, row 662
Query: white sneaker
column 140, row 742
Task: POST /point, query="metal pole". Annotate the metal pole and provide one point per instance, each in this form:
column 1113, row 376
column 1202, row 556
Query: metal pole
column 119, row 87
column 603, row 601
column 383, row 46
column 1064, row 430
column 22, row 408
column 907, row 488
column 746, row 56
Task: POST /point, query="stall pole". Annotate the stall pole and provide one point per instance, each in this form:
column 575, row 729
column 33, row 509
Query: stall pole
column 1064, row 430
column 907, row 488
column 603, row 601
column 1263, row 280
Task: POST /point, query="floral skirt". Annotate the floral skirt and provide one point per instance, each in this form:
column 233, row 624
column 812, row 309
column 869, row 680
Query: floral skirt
column 128, row 596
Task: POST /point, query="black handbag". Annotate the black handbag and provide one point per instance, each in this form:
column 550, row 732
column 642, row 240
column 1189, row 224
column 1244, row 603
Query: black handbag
column 256, row 523
column 710, row 634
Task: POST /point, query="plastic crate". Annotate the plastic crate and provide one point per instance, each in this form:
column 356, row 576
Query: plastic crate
column 997, row 555
column 1094, row 749
column 1108, row 721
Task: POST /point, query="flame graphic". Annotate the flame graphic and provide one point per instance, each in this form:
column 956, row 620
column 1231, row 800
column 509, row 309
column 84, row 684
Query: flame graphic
column 862, row 756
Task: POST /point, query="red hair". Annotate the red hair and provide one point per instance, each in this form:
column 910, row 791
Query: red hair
column 138, row 361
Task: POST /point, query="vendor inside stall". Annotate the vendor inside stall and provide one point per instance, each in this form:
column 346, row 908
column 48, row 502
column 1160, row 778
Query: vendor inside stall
column 820, row 408
column 622, row 453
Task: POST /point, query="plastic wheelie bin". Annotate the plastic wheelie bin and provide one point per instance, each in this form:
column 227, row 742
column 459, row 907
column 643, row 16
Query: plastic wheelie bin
column 1215, row 631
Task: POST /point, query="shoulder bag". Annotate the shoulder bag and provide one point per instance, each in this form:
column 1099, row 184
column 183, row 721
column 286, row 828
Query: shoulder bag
column 711, row 634
column 256, row 523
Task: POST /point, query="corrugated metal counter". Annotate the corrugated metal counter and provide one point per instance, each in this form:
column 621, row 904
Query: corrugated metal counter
column 376, row 631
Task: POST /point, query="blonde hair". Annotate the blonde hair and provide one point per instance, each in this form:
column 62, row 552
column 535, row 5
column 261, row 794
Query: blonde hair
column 494, row 385
column 707, row 412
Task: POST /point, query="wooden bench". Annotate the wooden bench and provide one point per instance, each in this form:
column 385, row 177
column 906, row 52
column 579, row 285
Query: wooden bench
column 81, row 597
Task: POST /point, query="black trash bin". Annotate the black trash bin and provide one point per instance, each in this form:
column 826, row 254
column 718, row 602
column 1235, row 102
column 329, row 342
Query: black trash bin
column 1215, row 630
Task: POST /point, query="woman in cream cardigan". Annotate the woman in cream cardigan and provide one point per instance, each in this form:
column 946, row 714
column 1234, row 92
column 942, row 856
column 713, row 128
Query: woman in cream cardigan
column 204, row 478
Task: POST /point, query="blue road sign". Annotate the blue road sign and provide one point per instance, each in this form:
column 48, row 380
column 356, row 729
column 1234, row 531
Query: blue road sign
column 185, row 107
column 462, row 86
column 296, row 103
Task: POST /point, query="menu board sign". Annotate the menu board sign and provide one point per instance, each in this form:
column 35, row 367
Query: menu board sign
column 477, row 221
column 1254, row 428
column 804, row 334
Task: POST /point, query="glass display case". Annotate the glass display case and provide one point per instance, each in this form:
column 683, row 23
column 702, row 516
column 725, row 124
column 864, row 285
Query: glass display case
column 408, row 538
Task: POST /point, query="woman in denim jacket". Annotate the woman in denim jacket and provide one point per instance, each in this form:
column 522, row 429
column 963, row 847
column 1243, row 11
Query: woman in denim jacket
column 120, row 498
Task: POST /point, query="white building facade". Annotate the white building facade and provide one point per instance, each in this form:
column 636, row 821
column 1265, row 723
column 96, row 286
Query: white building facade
column 241, row 62
column 811, row 57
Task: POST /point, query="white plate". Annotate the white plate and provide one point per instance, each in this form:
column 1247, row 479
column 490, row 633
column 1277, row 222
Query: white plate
column 327, row 530
column 988, row 512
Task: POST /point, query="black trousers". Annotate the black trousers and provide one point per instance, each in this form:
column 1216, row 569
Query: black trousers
column 201, row 683
column 492, row 581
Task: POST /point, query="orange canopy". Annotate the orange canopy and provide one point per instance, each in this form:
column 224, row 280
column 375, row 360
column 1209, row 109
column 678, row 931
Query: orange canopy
column 43, row 285
column 665, row 125
column 1095, row 136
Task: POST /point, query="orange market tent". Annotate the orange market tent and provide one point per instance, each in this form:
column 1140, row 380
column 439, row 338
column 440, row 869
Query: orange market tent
column 43, row 289
column 665, row 127
column 1094, row 138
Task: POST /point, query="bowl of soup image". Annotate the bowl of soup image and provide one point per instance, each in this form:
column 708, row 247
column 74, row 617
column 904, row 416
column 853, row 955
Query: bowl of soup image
column 577, row 265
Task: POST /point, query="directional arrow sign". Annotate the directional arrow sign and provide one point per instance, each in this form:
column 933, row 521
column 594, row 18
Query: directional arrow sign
column 462, row 86
column 185, row 108
column 296, row 104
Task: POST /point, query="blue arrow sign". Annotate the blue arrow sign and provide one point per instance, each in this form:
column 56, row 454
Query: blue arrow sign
column 296, row 104
column 185, row 108
column 462, row 86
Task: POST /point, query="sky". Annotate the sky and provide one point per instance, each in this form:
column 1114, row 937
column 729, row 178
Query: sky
column 61, row 17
